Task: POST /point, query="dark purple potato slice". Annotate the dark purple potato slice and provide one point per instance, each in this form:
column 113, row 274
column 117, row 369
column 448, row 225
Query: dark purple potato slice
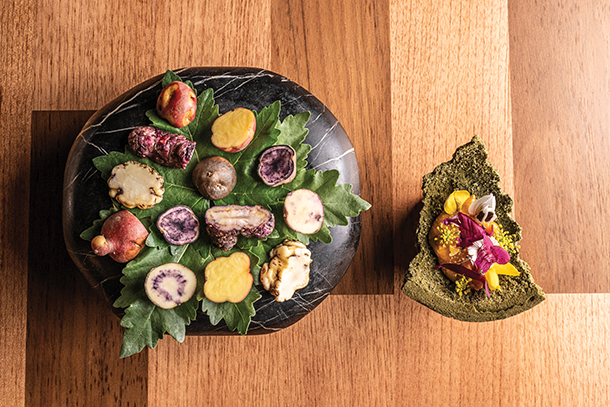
column 277, row 165
column 179, row 225
column 304, row 211
column 170, row 285
column 225, row 223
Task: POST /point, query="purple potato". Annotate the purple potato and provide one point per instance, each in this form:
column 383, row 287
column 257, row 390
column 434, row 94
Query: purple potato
column 277, row 165
column 214, row 177
column 163, row 148
column 170, row 285
column 179, row 225
column 225, row 223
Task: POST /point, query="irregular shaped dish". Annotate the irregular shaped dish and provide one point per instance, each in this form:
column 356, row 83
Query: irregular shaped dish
column 469, row 170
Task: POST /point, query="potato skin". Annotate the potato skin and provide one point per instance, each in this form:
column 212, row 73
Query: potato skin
column 122, row 237
column 214, row 177
column 177, row 104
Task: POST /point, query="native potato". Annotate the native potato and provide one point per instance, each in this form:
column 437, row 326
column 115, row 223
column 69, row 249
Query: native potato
column 122, row 237
column 134, row 184
column 228, row 278
column 234, row 130
column 225, row 223
column 304, row 211
column 277, row 165
column 177, row 104
column 170, row 285
column 214, row 177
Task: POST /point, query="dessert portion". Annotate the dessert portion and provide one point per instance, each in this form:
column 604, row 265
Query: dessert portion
column 468, row 266
column 466, row 240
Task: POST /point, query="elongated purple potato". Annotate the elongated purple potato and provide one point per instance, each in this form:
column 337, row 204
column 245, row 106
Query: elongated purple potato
column 167, row 149
column 179, row 225
column 225, row 223
column 277, row 165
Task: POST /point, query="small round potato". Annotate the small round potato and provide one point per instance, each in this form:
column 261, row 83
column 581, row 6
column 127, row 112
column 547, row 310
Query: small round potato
column 214, row 177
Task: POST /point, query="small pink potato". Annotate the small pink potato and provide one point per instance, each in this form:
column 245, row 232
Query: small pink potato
column 228, row 278
column 122, row 237
column 177, row 104
column 234, row 130
column 304, row 211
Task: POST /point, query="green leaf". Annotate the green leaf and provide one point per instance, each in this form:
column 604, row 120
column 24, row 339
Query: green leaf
column 146, row 324
column 236, row 316
column 170, row 77
column 293, row 133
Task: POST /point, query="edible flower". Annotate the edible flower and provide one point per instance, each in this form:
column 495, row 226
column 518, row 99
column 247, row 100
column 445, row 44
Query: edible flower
column 483, row 252
column 470, row 230
column 487, row 254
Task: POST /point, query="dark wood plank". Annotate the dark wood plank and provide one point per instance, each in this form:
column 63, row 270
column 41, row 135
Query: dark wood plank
column 560, row 95
column 16, row 100
column 73, row 338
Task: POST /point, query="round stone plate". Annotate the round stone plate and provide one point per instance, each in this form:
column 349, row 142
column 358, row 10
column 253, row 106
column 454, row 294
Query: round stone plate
column 86, row 193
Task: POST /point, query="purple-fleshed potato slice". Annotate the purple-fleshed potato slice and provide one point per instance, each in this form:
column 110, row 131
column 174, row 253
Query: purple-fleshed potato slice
column 277, row 165
column 170, row 285
column 179, row 225
column 225, row 223
column 304, row 211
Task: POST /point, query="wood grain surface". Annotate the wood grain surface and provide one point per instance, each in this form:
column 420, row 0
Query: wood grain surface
column 409, row 81
column 15, row 107
column 561, row 123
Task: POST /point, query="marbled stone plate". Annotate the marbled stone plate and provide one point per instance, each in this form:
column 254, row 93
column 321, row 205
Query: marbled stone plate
column 85, row 192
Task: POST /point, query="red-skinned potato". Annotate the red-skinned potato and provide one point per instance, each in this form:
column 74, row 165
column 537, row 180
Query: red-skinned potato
column 228, row 278
column 122, row 237
column 177, row 104
column 234, row 130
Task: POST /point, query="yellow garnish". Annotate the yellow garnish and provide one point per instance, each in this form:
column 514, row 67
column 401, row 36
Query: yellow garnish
column 506, row 241
column 455, row 201
column 462, row 286
column 467, row 203
column 493, row 281
column 505, row 269
column 448, row 234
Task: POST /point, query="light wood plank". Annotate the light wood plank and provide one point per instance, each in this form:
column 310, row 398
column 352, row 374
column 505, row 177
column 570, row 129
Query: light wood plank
column 450, row 82
column 15, row 104
column 342, row 57
column 553, row 355
column 88, row 53
column 561, row 84
column 335, row 356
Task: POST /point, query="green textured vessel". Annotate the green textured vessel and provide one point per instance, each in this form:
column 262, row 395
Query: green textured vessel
column 469, row 169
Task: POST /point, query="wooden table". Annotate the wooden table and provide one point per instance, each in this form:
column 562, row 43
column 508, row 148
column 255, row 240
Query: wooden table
column 409, row 81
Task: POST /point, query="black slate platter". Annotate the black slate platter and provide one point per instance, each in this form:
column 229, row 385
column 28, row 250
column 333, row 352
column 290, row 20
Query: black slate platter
column 86, row 193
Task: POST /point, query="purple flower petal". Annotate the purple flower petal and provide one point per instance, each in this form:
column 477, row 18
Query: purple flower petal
column 489, row 254
column 470, row 230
